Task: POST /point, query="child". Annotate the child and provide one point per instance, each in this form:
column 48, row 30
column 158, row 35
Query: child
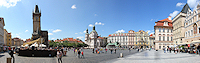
column 82, row 56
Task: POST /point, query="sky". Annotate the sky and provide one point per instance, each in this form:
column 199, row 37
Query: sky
column 70, row 18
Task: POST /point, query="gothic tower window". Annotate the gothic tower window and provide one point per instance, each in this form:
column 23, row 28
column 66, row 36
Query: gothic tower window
column 195, row 28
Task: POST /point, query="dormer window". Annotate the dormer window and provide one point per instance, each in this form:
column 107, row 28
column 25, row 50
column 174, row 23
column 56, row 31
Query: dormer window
column 165, row 23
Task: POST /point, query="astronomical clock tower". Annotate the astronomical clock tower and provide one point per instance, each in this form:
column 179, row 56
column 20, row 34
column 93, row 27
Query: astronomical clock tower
column 37, row 32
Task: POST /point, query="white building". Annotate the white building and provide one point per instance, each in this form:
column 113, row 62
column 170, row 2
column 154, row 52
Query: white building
column 121, row 38
column 192, row 26
column 93, row 40
column 163, row 33
column 1, row 33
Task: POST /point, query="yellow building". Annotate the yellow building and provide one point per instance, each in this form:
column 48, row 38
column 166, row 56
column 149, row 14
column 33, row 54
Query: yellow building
column 7, row 38
column 141, row 39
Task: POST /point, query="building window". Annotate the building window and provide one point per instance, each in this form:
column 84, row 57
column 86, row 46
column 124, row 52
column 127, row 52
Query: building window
column 185, row 34
column 167, row 38
column 195, row 28
column 159, row 47
column 159, row 29
column 167, row 30
column 171, row 30
column 188, row 33
column 191, row 32
column 163, row 38
column 171, row 38
column 163, row 30
column 159, row 38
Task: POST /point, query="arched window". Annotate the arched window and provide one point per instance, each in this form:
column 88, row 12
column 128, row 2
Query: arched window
column 195, row 28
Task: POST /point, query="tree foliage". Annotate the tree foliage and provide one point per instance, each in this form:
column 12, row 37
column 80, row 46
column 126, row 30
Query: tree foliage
column 66, row 44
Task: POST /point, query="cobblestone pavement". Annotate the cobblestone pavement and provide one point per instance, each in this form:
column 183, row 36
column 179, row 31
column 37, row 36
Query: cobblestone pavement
column 70, row 58
column 157, row 57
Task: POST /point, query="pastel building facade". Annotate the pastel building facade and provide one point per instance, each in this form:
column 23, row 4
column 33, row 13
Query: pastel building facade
column 163, row 33
column 178, row 26
column 121, row 38
column 1, row 33
column 192, row 25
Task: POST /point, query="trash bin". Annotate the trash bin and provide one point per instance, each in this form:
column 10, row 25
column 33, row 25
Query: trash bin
column 9, row 60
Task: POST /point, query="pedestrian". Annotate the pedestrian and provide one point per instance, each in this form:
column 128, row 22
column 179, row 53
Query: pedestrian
column 74, row 50
column 93, row 50
column 79, row 52
column 82, row 56
column 115, row 51
column 198, row 49
column 65, row 51
column 164, row 49
column 96, row 51
column 4, row 49
column 129, row 49
column 59, row 56
column 106, row 50
column 175, row 50
column 111, row 51
column 11, row 54
column 170, row 50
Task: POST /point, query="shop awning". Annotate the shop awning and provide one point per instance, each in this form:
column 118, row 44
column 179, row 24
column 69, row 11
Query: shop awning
column 197, row 41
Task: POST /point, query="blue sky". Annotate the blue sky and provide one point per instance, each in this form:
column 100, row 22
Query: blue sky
column 70, row 18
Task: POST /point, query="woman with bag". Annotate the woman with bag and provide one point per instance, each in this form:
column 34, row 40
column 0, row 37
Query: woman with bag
column 59, row 56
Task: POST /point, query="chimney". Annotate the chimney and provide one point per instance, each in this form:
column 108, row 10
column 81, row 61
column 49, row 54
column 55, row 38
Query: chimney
column 170, row 18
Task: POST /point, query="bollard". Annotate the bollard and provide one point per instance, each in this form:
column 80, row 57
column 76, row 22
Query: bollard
column 121, row 55
column 9, row 60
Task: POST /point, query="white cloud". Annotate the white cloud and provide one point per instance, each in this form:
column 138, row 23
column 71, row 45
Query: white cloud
column 120, row 31
column 153, row 19
column 76, row 33
column 180, row 4
column 52, row 38
column 91, row 25
column 174, row 14
column 95, row 15
column 84, row 31
column 73, row 6
column 192, row 3
column 148, row 31
column 50, row 33
column 58, row 30
column 8, row 3
column 80, row 37
column 99, row 23
column 102, row 30
column 18, row 33
column 80, row 32
column 26, row 31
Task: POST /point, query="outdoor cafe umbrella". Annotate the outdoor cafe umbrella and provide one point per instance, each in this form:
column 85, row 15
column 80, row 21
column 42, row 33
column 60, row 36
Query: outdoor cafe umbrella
column 42, row 45
column 35, row 44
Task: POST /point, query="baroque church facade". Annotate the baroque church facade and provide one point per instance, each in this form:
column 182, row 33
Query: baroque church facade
column 93, row 40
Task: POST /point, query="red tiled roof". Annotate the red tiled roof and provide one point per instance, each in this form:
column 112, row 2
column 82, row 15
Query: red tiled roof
column 161, row 22
column 151, row 35
column 109, row 35
column 100, row 37
column 166, row 20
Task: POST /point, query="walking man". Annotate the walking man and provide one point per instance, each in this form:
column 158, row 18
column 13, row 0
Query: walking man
column 82, row 56
column 11, row 54
column 111, row 51
column 198, row 48
column 115, row 51
column 59, row 56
